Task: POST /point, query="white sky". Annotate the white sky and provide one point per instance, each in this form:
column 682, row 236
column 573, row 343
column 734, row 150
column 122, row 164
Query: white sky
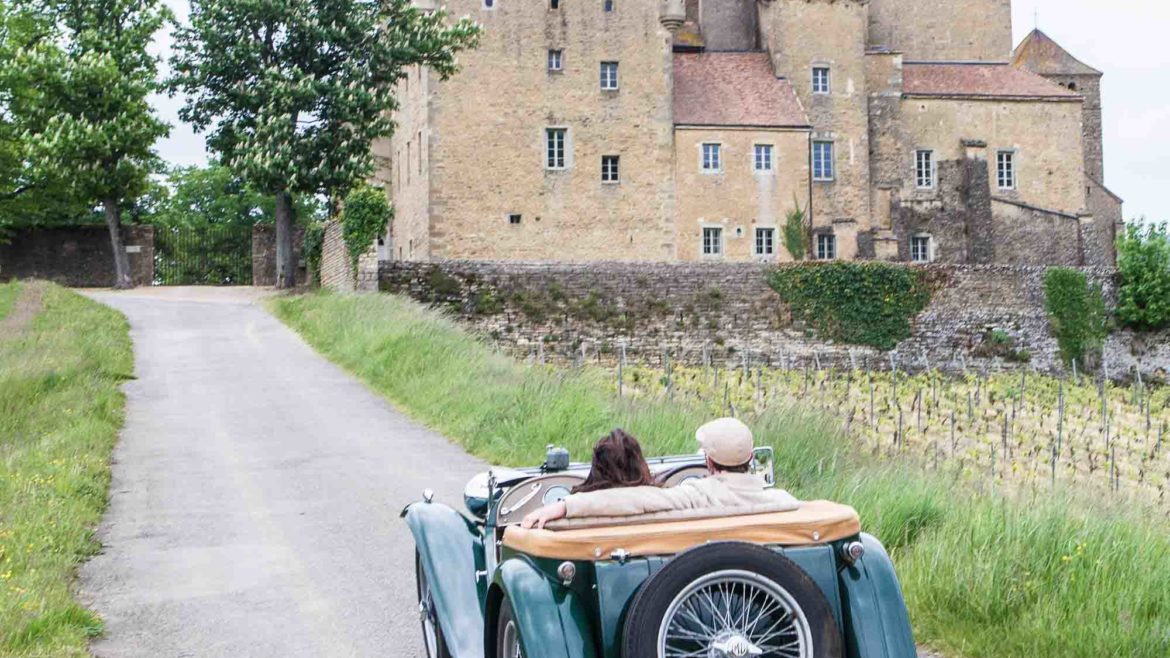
column 1127, row 39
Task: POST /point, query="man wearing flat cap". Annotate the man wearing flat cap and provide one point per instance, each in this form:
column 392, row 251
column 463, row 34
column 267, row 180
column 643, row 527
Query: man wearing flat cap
column 729, row 448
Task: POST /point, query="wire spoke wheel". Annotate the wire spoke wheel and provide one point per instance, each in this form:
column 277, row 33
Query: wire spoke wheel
column 734, row 614
column 511, row 642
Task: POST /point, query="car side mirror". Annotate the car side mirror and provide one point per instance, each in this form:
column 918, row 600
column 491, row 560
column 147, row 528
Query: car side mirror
column 763, row 464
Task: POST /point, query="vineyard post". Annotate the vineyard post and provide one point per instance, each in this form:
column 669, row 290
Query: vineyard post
column 1059, row 415
column 817, row 358
column 970, row 408
column 898, row 435
column 954, row 444
column 621, row 368
column 1074, row 365
column 1005, row 443
column 872, row 417
column 1054, row 453
column 540, row 352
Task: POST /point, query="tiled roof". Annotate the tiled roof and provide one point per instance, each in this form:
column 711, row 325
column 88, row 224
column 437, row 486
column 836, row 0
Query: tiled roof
column 1040, row 54
column 993, row 81
column 733, row 89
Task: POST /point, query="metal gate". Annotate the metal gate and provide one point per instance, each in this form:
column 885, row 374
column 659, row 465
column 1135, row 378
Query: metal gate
column 208, row 255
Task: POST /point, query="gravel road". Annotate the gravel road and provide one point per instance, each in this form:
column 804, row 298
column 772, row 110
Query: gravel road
column 256, row 491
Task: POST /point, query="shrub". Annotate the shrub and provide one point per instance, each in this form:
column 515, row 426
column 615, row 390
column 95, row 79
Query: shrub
column 860, row 303
column 1143, row 258
column 1076, row 310
column 794, row 232
column 314, row 241
column 366, row 214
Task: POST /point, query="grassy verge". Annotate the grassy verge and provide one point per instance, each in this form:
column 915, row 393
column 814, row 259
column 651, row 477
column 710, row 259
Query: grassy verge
column 60, row 409
column 983, row 576
column 8, row 293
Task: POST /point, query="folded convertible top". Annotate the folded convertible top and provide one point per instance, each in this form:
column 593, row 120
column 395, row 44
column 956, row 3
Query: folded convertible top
column 816, row 522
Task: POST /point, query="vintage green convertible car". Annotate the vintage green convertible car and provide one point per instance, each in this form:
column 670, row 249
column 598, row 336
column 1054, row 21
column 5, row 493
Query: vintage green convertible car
column 793, row 584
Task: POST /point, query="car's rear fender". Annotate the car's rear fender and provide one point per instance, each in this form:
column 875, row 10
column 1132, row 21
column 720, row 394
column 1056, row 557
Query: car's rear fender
column 553, row 619
column 876, row 622
column 450, row 549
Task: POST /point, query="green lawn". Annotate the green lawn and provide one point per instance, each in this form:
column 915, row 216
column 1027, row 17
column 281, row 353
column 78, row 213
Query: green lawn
column 8, row 293
column 60, row 410
column 983, row 576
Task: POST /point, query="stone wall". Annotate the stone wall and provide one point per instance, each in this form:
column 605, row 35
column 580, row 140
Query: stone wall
column 264, row 255
column 943, row 30
column 337, row 271
column 1025, row 235
column 76, row 256
column 726, row 312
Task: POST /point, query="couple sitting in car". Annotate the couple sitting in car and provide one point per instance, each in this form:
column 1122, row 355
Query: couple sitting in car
column 620, row 484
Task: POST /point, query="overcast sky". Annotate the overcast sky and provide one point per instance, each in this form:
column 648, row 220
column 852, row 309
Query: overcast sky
column 1127, row 39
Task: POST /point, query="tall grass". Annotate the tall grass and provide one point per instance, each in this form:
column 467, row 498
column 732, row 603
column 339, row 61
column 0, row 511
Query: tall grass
column 983, row 576
column 8, row 293
column 60, row 410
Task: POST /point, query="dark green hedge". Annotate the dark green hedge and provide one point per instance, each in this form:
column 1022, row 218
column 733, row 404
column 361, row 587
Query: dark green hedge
column 859, row 303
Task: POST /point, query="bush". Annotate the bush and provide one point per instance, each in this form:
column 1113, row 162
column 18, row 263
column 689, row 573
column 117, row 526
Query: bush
column 1076, row 310
column 794, row 232
column 366, row 214
column 860, row 303
column 1143, row 258
column 314, row 242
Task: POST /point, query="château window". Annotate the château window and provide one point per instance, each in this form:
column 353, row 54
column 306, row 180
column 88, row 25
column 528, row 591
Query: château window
column 826, row 246
column 554, row 4
column 712, row 241
column 608, row 5
column 765, row 241
column 921, row 249
column 822, row 161
column 820, row 80
column 555, row 59
column 1005, row 170
column 556, row 147
column 763, row 158
column 489, row 4
column 712, row 161
column 514, row 219
column 609, row 75
column 924, row 170
column 609, row 169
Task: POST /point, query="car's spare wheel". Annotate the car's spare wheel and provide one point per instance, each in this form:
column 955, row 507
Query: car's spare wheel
column 730, row 600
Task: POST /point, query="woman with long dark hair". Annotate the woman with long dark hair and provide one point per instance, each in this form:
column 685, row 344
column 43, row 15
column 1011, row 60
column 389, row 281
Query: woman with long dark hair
column 617, row 462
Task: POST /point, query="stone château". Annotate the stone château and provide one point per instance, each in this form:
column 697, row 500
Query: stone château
column 684, row 130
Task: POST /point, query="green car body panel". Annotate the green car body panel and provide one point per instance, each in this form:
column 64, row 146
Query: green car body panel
column 553, row 619
column 876, row 622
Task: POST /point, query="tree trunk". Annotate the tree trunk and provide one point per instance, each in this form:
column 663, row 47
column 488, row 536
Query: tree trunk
column 122, row 280
column 286, row 261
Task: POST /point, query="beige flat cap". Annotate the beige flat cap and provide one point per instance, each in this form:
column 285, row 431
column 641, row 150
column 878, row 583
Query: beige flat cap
column 727, row 441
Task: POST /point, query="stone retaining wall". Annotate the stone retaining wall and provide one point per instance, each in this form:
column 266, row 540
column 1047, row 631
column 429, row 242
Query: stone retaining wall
column 77, row 256
column 727, row 313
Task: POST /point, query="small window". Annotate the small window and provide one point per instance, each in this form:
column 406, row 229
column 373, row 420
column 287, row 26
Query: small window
column 924, row 171
column 489, row 4
column 712, row 241
column 763, row 158
column 921, row 249
column 609, row 75
column 555, row 146
column 609, row 169
column 608, row 5
column 712, row 158
column 765, row 241
column 554, row 4
column 826, row 246
column 1005, row 170
column 820, row 80
column 822, row 161
column 556, row 59
column 514, row 219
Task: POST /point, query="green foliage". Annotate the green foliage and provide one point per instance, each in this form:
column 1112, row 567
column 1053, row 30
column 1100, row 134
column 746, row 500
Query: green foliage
column 1077, row 312
column 859, row 303
column 60, row 410
column 998, row 343
column 320, row 80
column 312, row 249
column 366, row 214
column 1143, row 258
column 795, row 232
column 989, row 576
column 198, row 196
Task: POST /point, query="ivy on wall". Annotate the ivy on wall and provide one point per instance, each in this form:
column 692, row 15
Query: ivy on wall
column 1077, row 312
column 858, row 303
column 366, row 214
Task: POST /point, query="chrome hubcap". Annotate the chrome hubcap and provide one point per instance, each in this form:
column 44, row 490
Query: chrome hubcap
column 734, row 614
column 511, row 643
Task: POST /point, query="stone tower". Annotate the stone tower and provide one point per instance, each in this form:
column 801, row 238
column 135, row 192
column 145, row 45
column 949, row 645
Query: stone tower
column 1039, row 54
column 943, row 30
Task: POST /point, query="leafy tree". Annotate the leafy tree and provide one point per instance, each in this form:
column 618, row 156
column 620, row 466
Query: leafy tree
column 294, row 92
column 795, row 232
column 199, row 196
column 90, row 126
column 1143, row 258
column 1077, row 313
